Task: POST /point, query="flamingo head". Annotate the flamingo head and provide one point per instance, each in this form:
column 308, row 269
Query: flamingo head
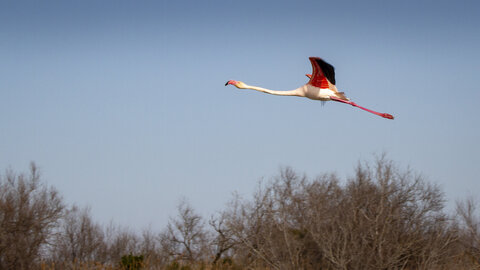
column 237, row 84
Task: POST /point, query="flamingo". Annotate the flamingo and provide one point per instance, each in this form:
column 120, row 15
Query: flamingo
column 321, row 86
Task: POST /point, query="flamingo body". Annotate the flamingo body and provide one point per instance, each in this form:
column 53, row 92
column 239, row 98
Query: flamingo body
column 321, row 86
column 316, row 93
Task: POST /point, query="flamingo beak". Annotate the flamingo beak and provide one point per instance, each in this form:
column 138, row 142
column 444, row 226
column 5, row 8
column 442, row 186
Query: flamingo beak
column 232, row 82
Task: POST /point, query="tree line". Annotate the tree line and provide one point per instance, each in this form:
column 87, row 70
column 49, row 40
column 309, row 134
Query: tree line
column 382, row 217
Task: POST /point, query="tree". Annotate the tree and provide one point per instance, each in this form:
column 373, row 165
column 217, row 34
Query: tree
column 79, row 239
column 382, row 218
column 119, row 242
column 223, row 240
column 185, row 238
column 267, row 231
column 29, row 211
column 470, row 231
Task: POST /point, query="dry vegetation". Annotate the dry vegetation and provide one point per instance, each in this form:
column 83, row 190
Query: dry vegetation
column 381, row 218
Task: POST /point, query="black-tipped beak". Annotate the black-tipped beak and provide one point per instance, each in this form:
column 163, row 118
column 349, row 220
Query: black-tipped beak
column 226, row 83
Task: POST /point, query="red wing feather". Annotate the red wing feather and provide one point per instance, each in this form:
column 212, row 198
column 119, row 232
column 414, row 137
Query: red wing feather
column 322, row 73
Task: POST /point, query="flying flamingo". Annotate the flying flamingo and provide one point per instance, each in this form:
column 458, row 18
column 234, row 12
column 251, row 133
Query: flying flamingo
column 321, row 86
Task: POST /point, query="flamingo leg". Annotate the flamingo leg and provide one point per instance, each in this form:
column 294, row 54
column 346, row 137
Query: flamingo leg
column 384, row 115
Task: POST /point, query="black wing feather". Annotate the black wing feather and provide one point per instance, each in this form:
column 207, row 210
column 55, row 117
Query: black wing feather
column 327, row 69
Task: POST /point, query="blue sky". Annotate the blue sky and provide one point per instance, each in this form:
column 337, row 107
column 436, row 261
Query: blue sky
column 123, row 106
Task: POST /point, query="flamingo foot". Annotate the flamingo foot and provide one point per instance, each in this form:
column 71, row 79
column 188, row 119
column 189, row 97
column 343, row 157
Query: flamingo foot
column 388, row 116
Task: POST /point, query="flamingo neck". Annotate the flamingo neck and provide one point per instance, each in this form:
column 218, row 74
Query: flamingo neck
column 294, row 92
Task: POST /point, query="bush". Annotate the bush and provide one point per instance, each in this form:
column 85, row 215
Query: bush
column 131, row 262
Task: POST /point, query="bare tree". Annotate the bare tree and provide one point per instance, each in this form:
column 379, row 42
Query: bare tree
column 185, row 239
column 470, row 231
column 119, row 242
column 267, row 231
column 79, row 239
column 382, row 218
column 223, row 240
column 149, row 246
column 29, row 211
column 82, row 243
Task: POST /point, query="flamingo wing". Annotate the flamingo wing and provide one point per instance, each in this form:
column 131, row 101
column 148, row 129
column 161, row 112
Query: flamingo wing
column 323, row 74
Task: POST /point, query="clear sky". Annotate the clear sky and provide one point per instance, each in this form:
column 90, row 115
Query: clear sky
column 122, row 104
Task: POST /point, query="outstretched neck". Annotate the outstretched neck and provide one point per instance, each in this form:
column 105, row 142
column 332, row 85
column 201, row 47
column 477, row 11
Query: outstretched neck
column 294, row 92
